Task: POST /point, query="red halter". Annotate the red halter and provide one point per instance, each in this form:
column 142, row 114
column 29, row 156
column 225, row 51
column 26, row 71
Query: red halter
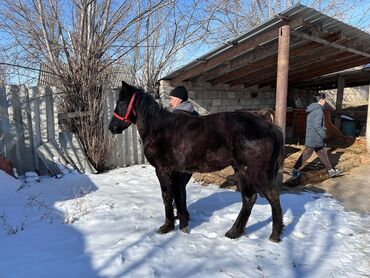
column 129, row 108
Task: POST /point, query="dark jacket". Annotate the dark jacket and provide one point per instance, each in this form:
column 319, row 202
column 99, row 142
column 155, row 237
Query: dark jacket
column 315, row 128
column 186, row 107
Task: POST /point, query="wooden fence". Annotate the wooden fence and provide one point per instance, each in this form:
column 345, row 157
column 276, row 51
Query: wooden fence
column 29, row 118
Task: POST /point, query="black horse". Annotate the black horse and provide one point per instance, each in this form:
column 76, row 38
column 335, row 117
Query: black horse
column 176, row 143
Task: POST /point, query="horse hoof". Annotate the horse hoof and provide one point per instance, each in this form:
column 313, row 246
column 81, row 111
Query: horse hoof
column 233, row 234
column 275, row 239
column 165, row 229
column 185, row 230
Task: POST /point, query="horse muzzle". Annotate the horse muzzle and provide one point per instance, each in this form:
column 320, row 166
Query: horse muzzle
column 115, row 129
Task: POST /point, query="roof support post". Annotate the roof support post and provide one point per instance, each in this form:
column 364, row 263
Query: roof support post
column 368, row 125
column 282, row 84
column 339, row 101
column 282, row 77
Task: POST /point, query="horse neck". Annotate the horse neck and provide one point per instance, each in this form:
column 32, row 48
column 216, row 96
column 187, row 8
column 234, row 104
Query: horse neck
column 150, row 116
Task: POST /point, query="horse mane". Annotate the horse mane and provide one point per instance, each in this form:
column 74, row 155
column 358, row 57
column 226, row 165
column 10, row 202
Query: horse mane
column 154, row 115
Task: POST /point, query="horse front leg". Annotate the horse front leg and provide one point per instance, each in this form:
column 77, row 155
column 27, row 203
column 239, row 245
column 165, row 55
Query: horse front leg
column 179, row 181
column 167, row 195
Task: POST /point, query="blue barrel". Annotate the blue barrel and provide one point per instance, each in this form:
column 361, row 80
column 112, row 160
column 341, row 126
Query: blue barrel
column 348, row 128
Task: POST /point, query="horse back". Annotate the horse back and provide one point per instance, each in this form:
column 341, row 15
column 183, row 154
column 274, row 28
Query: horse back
column 209, row 143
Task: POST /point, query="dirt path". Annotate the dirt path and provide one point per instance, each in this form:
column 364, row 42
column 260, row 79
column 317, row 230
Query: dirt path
column 352, row 189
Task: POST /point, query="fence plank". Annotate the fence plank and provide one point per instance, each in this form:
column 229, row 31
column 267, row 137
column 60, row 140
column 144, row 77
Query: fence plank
column 16, row 121
column 41, row 91
column 75, row 153
column 49, row 102
column 29, row 146
column 135, row 146
column 36, row 126
column 47, row 152
column 4, row 121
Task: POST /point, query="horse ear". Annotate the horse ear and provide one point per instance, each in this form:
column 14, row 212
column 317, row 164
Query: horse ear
column 126, row 89
column 124, row 84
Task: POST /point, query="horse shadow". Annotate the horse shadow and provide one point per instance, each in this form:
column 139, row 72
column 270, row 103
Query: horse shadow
column 60, row 248
column 202, row 210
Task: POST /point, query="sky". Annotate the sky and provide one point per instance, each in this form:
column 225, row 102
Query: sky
column 359, row 16
column 105, row 226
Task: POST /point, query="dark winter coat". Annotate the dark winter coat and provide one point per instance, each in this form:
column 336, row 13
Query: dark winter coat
column 315, row 128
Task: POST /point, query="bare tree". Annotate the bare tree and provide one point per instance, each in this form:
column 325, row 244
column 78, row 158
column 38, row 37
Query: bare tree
column 74, row 41
column 82, row 42
column 235, row 17
column 167, row 31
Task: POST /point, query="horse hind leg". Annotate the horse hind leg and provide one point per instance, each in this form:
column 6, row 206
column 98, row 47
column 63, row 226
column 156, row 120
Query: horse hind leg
column 277, row 215
column 271, row 192
column 249, row 197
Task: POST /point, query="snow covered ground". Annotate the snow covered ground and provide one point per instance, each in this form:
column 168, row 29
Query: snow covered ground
column 105, row 226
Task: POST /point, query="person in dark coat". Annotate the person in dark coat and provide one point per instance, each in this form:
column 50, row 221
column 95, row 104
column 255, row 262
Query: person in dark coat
column 315, row 137
column 180, row 104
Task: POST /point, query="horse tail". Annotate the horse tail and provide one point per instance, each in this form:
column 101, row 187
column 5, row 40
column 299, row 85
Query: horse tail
column 277, row 157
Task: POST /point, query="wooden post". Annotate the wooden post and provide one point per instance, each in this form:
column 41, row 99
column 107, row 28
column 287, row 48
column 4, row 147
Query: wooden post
column 368, row 124
column 339, row 102
column 282, row 77
column 282, row 85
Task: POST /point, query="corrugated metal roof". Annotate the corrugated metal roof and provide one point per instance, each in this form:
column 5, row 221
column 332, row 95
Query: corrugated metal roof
column 309, row 16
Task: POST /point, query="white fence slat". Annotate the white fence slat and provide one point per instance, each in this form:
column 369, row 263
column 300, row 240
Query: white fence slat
column 16, row 121
column 49, row 114
column 29, row 147
column 36, row 123
column 42, row 114
column 4, row 121
column 55, row 92
column 47, row 152
column 135, row 146
column 73, row 148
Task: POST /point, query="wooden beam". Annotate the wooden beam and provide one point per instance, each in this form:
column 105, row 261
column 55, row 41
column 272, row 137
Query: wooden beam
column 233, row 51
column 270, row 60
column 238, row 63
column 325, row 42
column 297, row 78
column 282, row 77
column 346, row 64
column 296, row 64
column 71, row 115
column 250, row 57
column 302, row 50
column 339, row 101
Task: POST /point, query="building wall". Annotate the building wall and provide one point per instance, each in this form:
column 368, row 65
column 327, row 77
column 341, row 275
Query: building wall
column 222, row 98
column 352, row 97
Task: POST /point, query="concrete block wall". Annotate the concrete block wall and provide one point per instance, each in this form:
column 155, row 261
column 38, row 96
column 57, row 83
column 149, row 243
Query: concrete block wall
column 352, row 97
column 222, row 98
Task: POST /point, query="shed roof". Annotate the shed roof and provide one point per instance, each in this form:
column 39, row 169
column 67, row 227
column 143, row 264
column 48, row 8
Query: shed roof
column 354, row 77
column 319, row 45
